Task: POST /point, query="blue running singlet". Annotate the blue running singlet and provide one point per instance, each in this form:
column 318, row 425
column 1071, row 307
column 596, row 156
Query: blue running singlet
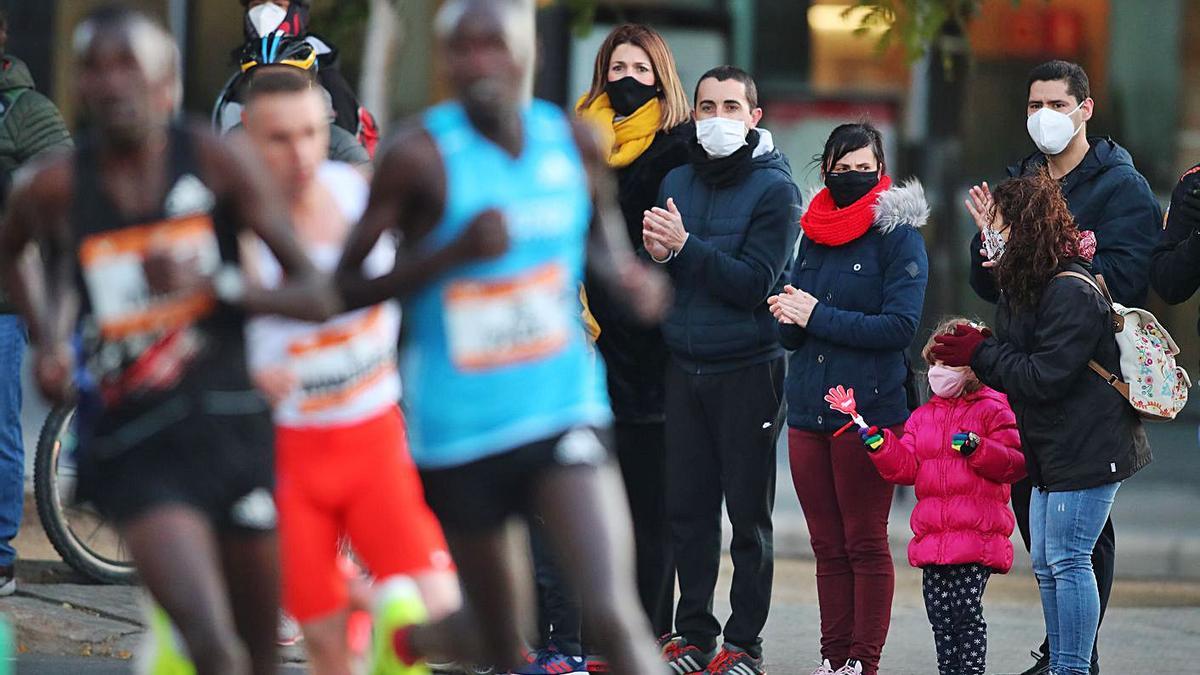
column 496, row 355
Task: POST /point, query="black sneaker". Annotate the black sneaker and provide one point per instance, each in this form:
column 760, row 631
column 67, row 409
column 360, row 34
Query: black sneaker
column 735, row 661
column 8, row 581
column 1041, row 666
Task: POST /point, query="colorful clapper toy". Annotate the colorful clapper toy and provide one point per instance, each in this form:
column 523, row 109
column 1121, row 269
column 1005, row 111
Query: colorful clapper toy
column 841, row 400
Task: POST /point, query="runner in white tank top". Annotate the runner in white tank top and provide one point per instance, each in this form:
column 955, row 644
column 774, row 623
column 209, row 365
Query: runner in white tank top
column 342, row 462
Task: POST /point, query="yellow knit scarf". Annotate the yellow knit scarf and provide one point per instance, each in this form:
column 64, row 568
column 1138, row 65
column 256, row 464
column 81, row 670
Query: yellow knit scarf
column 629, row 137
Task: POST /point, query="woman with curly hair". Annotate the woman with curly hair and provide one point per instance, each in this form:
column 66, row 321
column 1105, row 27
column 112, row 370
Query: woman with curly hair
column 1081, row 438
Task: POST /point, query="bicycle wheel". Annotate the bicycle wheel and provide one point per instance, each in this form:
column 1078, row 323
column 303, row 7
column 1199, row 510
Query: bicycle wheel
column 78, row 532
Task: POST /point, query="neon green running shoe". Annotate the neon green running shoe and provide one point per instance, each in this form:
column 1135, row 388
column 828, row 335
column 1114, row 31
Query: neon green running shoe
column 163, row 653
column 397, row 606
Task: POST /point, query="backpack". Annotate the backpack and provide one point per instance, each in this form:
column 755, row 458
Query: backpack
column 1158, row 388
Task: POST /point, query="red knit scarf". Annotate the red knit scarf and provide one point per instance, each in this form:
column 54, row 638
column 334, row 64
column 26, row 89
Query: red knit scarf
column 828, row 225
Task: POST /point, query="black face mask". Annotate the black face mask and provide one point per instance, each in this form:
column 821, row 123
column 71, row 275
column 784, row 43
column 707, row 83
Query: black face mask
column 627, row 95
column 848, row 187
column 294, row 24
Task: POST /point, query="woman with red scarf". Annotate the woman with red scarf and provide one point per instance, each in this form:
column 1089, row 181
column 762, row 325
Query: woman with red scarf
column 851, row 310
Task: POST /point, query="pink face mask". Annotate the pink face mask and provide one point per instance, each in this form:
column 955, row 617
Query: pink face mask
column 947, row 382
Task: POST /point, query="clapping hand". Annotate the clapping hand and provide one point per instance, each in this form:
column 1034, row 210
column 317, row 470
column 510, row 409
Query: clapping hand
column 792, row 306
column 982, row 205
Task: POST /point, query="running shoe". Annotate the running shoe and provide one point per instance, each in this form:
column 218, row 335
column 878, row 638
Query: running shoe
column 288, row 633
column 8, row 581
column 824, row 669
column 163, row 651
column 684, row 658
column 597, row 664
column 735, row 661
column 551, row 662
column 397, row 607
column 852, row 667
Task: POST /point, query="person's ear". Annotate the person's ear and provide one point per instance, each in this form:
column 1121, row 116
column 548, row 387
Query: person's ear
column 755, row 117
column 1089, row 107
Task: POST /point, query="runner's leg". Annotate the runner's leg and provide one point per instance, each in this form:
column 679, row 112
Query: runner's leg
column 587, row 518
column 494, row 570
column 251, row 562
column 176, row 553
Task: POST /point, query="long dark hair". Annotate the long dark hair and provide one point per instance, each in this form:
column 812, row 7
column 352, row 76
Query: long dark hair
column 1042, row 236
column 847, row 138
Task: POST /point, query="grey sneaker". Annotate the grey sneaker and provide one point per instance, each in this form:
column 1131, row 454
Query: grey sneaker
column 824, row 669
column 852, row 667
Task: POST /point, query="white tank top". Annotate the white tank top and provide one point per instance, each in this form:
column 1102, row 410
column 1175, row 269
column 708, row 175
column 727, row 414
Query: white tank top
column 345, row 367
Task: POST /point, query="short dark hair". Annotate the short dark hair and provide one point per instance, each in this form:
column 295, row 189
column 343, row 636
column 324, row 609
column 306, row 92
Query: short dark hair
column 726, row 73
column 1071, row 73
column 267, row 80
column 847, row 138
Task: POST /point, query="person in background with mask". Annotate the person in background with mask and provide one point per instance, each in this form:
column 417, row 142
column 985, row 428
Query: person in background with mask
column 1175, row 272
column 725, row 229
column 1107, row 196
column 265, row 18
column 639, row 104
column 850, row 311
column 30, row 126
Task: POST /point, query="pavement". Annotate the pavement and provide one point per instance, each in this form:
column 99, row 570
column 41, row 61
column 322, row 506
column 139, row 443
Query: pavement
column 1149, row 622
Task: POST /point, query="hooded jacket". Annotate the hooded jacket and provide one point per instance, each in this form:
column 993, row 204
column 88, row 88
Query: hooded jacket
column 962, row 514
column 29, row 122
column 739, row 247
column 1108, row 196
column 635, row 356
column 870, row 296
column 1175, row 270
column 1078, row 432
column 29, row 126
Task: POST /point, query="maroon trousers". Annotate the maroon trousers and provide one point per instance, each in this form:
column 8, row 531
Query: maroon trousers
column 846, row 505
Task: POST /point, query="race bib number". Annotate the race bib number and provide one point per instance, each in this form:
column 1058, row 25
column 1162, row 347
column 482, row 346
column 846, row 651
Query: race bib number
column 492, row 324
column 123, row 305
column 338, row 364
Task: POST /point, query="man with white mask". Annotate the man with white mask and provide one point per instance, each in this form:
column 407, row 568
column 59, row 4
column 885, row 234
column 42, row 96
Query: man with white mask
column 1107, row 196
column 725, row 229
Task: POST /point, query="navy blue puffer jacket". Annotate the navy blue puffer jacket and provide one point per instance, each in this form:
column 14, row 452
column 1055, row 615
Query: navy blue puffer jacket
column 739, row 247
column 870, row 295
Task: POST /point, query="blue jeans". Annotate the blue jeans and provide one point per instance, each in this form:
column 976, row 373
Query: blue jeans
column 1064, row 527
column 12, row 444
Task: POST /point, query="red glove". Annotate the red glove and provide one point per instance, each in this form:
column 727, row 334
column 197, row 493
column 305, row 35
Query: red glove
column 958, row 349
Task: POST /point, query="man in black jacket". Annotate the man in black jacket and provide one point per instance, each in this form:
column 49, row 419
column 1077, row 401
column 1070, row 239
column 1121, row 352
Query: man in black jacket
column 1108, row 196
column 1175, row 272
column 726, row 229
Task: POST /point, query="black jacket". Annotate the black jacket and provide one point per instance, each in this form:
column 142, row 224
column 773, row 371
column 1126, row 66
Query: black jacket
column 636, row 356
column 738, row 252
column 1175, row 271
column 1077, row 431
column 1108, row 196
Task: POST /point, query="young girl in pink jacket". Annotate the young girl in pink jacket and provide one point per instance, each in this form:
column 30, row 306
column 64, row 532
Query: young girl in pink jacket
column 961, row 450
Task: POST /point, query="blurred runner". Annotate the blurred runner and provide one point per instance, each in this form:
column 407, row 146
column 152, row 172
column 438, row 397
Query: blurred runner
column 506, row 407
column 342, row 464
column 138, row 233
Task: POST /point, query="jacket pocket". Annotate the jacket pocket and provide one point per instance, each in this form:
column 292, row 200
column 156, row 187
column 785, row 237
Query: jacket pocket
column 859, row 285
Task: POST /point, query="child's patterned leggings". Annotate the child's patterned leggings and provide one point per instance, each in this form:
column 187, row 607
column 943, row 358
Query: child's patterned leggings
column 954, row 602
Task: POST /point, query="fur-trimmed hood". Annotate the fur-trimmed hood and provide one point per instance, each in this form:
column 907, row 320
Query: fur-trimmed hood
column 901, row 204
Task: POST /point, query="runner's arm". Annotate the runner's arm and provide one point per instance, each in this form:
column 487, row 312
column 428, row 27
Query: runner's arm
column 257, row 207
column 39, row 266
column 407, row 197
column 610, row 257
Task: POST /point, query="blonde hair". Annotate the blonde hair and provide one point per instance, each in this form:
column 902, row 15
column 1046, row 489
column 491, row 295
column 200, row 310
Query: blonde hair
column 676, row 108
column 946, row 327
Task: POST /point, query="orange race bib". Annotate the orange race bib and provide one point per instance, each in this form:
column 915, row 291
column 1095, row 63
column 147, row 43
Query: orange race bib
column 496, row 323
column 122, row 304
column 339, row 363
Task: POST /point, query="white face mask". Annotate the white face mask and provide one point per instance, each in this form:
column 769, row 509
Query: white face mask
column 1051, row 130
column 266, row 17
column 721, row 137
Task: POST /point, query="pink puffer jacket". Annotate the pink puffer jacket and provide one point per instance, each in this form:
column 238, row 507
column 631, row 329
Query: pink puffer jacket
column 962, row 513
